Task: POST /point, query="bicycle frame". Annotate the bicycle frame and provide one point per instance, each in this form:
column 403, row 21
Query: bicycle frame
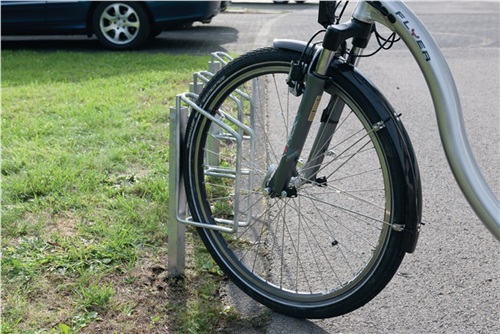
column 396, row 16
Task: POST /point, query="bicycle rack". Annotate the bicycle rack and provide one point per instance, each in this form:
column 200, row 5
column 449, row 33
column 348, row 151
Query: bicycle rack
column 225, row 129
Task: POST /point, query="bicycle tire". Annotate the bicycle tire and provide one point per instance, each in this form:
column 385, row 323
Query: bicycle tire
column 341, row 248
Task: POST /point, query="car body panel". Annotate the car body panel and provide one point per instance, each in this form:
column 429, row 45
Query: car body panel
column 16, row 13
column 182, row 11
column 67, row 16
column 74, row 17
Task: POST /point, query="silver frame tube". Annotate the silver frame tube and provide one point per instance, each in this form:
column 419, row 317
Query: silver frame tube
column 407, row 25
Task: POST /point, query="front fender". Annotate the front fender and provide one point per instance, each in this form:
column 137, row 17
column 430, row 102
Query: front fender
column 293, row 45
column 411, row 206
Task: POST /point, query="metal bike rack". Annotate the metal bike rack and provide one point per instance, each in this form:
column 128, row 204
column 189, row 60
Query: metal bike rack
column 178, row 210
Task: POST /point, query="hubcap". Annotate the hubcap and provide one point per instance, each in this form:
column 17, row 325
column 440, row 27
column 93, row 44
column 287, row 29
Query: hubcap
column 119, row 23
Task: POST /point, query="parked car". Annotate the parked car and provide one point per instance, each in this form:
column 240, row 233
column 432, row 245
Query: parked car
column 118, row 25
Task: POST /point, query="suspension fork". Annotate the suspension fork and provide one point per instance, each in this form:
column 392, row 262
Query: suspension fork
column 279, row 182
column 329, row 121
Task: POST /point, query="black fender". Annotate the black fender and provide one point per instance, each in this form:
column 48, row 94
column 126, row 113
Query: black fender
column 410, row 203
column 293, row 45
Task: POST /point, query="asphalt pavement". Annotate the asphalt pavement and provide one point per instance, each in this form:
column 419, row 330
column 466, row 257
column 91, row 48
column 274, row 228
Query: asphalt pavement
column 451, row 284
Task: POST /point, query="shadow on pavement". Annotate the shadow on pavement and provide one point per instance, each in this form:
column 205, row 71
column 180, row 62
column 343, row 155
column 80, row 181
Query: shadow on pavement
column 199, row 40
column 196, row 40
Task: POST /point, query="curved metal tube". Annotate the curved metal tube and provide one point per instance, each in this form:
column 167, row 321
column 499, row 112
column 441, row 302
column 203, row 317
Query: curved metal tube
column 398, row 17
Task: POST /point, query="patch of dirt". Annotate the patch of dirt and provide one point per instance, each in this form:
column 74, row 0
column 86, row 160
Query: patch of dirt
column 140, row 301
column 146, row 300
column 145, row 297
column 63, row 224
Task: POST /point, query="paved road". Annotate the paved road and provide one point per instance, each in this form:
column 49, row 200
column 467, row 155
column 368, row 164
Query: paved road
column 451, row 284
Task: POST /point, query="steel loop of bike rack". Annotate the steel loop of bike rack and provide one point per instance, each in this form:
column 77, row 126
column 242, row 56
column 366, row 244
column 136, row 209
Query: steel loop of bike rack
column 226, row 128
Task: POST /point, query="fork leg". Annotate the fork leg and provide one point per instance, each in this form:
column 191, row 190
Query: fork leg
column 315, row 83
column 329, row 120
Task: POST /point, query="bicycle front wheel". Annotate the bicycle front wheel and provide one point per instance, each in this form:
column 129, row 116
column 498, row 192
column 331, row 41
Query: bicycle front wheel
column 332, row 247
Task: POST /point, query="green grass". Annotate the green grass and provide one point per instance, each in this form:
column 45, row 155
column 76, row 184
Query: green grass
column 85, row 197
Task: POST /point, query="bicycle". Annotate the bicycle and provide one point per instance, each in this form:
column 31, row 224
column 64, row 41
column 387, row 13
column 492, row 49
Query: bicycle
column 312, row 219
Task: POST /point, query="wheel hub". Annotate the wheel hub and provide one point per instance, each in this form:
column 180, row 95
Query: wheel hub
column 288, row 192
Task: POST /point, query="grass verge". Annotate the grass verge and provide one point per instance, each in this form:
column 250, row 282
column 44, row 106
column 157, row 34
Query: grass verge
column 85, row 198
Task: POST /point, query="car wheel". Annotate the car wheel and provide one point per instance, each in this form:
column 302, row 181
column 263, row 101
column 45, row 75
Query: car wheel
column 121, row 25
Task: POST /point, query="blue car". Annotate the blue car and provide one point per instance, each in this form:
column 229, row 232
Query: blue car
column 118, row 25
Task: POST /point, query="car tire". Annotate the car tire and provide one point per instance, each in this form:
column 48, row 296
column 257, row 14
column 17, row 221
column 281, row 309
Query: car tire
column 121, row 25
column 154, row 33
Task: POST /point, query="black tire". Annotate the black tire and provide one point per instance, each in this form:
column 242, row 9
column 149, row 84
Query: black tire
column 154, row 33
column 332, row 248
column 121, row 25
